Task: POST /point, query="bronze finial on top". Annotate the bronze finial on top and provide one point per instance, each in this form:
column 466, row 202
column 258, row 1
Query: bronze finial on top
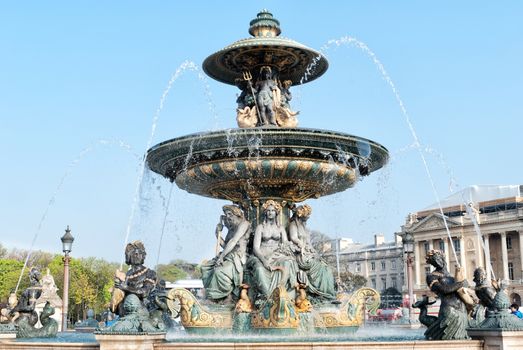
column 264, row 25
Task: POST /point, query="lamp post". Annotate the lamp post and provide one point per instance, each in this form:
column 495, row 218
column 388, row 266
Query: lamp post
column 67, row 243
column 408, row 249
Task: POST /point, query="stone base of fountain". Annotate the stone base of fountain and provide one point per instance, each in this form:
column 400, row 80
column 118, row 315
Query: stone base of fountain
column 129, row 341
column 416, row 345
column 498, row 338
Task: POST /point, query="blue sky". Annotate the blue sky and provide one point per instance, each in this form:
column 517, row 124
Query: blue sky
column 81, row 83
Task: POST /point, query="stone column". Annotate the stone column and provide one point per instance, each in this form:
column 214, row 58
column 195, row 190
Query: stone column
column 521, row 251
column 417, row 266
column 447, row 251
column 488, row 264
column 481, row 257
column 462, row 256
column 504, row 254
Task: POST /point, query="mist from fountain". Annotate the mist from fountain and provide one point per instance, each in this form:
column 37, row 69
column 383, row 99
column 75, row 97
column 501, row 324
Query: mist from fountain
column 72, row 165
column 348, row 40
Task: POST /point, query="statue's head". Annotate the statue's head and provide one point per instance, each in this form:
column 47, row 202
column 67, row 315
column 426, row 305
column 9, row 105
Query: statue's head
column 436, row 258
column 271, row 209
column 35, row 276
column 131, row 304
column 135, row 253
column 304, row 211
column 266, row 72
column 479, row 276
column 233, row 215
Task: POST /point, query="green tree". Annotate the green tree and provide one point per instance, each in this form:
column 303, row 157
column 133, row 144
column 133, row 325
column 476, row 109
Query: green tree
column 9, row 273
column 170, row 272
column 352, row 281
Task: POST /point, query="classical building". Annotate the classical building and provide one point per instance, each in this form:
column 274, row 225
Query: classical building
column 479, row 226
column 381, row 263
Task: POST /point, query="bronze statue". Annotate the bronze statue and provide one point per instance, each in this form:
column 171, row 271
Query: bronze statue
column 264, row 88
column 486, row 294
column 320, row 278
column 24, row 315
column 139, row 280
column 27, row 301
column 452, row 318
column 135, row 290
column 223, row 275
column 272, row 263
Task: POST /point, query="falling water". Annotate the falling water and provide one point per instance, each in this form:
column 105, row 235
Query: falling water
column 72, row 165
column 362, row 46
column 187, row 65
column 166, row 206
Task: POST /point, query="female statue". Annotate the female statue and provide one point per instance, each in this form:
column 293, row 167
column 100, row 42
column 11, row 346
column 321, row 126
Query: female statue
column 320, row 277
column 452, row 318
column 223, row 275
column 272, row 263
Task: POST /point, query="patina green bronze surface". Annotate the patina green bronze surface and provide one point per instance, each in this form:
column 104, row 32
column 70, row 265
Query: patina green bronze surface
column 288, row 58
column 134, row 298
column 251, row 164
column 452, row 321
column 49, row 327
column 265, row 275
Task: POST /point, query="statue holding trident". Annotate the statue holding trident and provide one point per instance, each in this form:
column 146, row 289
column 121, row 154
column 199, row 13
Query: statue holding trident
column 223, row 275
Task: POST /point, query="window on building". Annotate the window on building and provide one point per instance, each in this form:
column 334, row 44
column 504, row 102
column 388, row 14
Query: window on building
column 442, row 246
column 384, row 283
column 426, row 246
column 358, row 267
column 373, row 282
column 383, row 265
column 510, row 271
column 457, row 244
column 509, row 243
column 394, row 282
column 373, row 266
column 393, row 264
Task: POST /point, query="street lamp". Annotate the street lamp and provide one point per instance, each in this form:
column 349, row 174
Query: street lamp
column 67, row 244
column 408, row 249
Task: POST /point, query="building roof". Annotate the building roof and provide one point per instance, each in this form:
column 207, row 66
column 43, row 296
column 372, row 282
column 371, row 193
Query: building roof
column 360, row 248
column 478, row 194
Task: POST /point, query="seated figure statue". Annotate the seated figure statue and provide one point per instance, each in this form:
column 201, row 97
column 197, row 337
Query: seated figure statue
column 139, row 280
column 25, row 308
column 452, row 319
column 320, row 278
column 272, row 263
column 485, row 293
column 223, row 275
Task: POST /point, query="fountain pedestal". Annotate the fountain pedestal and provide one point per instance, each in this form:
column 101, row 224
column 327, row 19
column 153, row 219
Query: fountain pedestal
column 497, row 338
column 129, row 341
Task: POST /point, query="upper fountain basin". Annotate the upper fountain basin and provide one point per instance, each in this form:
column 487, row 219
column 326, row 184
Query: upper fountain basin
column 249, row 164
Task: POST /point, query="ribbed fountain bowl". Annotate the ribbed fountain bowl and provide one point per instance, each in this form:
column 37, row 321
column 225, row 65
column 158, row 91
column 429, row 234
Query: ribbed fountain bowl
column 252, row 164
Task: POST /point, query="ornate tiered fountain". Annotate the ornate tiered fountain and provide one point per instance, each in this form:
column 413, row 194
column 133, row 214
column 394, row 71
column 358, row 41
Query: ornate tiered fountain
column 266, row 277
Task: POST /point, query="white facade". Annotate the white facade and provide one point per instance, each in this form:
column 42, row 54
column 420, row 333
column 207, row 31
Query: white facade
column 485, row 224
column 381, row 263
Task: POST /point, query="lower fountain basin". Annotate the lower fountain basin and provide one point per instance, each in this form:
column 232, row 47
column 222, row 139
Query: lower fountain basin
column 249, row 164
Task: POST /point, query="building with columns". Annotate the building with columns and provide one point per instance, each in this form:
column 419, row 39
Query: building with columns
column 381, row 263
column 479, row 226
